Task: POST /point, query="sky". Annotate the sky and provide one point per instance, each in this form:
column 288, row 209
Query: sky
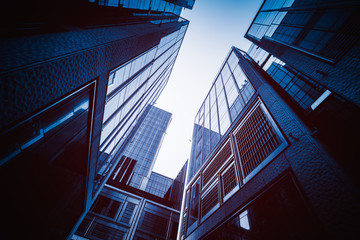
column 215, row 26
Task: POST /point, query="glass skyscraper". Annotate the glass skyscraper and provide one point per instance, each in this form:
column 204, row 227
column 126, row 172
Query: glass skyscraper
column 309, row 50
column 227, row 97
column 138, row 159
column 133, row 205
column 317, row 38
column 252, row 181
column 158, row 184
column 154, row 5
column 290, row 140
column 130, row 88
column 76, row 76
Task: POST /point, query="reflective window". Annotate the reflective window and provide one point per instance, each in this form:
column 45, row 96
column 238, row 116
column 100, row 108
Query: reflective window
column 206, row 130
column 295, row 85
column 132, row 87
column 227, row 97
column 194, row 203
column 158, row 184
column 214, row 123
column 106, row 206
column 155, row 5
column 324, row 30
column 266, row 23
column 223, row 112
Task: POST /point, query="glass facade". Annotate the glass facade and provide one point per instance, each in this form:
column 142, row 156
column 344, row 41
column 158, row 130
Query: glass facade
column 175, row 192
column 158, row 184
column 296, row 85
column 135, row 166
column 153, row 5
column 304, row 90
column 131, row 87
column 228, row 95
column 133, row 204
column 300, row 25
column 246, row 142
column 145, row 144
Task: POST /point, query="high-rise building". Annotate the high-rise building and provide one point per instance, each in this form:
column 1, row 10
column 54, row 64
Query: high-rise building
column 317, row 38
column 75, row 77
column 257, row 171
column 158, row 184
column 311, row 51
column 125, row 210
column 138, row 159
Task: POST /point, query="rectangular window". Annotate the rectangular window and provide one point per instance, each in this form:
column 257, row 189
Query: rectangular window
column 194, row 203
column 106, row 206
column 154, row 221
column 229, row 181
column 258, row 140
column 102, row 231
column 210, row 200
column 215, row 165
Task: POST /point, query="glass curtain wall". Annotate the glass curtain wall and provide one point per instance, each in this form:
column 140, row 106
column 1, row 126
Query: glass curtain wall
column 301, row 25
column 145, row 144
column 131, row 87
column 301, row 88
column 154, row 5
column 228, row 95
column 158, row 184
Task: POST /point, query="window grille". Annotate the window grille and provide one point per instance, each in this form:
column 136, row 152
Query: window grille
column 257, row 137
column 210, row 199
column 129, row 210
column 216, row 163
column 154, row 224
column 229, row 181
column 102, row 231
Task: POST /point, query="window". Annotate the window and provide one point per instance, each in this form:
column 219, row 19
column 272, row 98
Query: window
column 155, row 220
column 106, row 206
column 300, row 90
column 210, row 200
column 215, row 165
column 102, row 231
column 258, row 140
column 128, row 213
column 194, row 203
column 229, row 181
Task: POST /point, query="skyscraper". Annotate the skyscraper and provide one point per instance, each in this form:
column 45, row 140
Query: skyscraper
column 158, row 184
column 284, row 165
column 257, row 171
column 73, row 87
column 318, row 38
column 133, row 205
column 311, row 51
